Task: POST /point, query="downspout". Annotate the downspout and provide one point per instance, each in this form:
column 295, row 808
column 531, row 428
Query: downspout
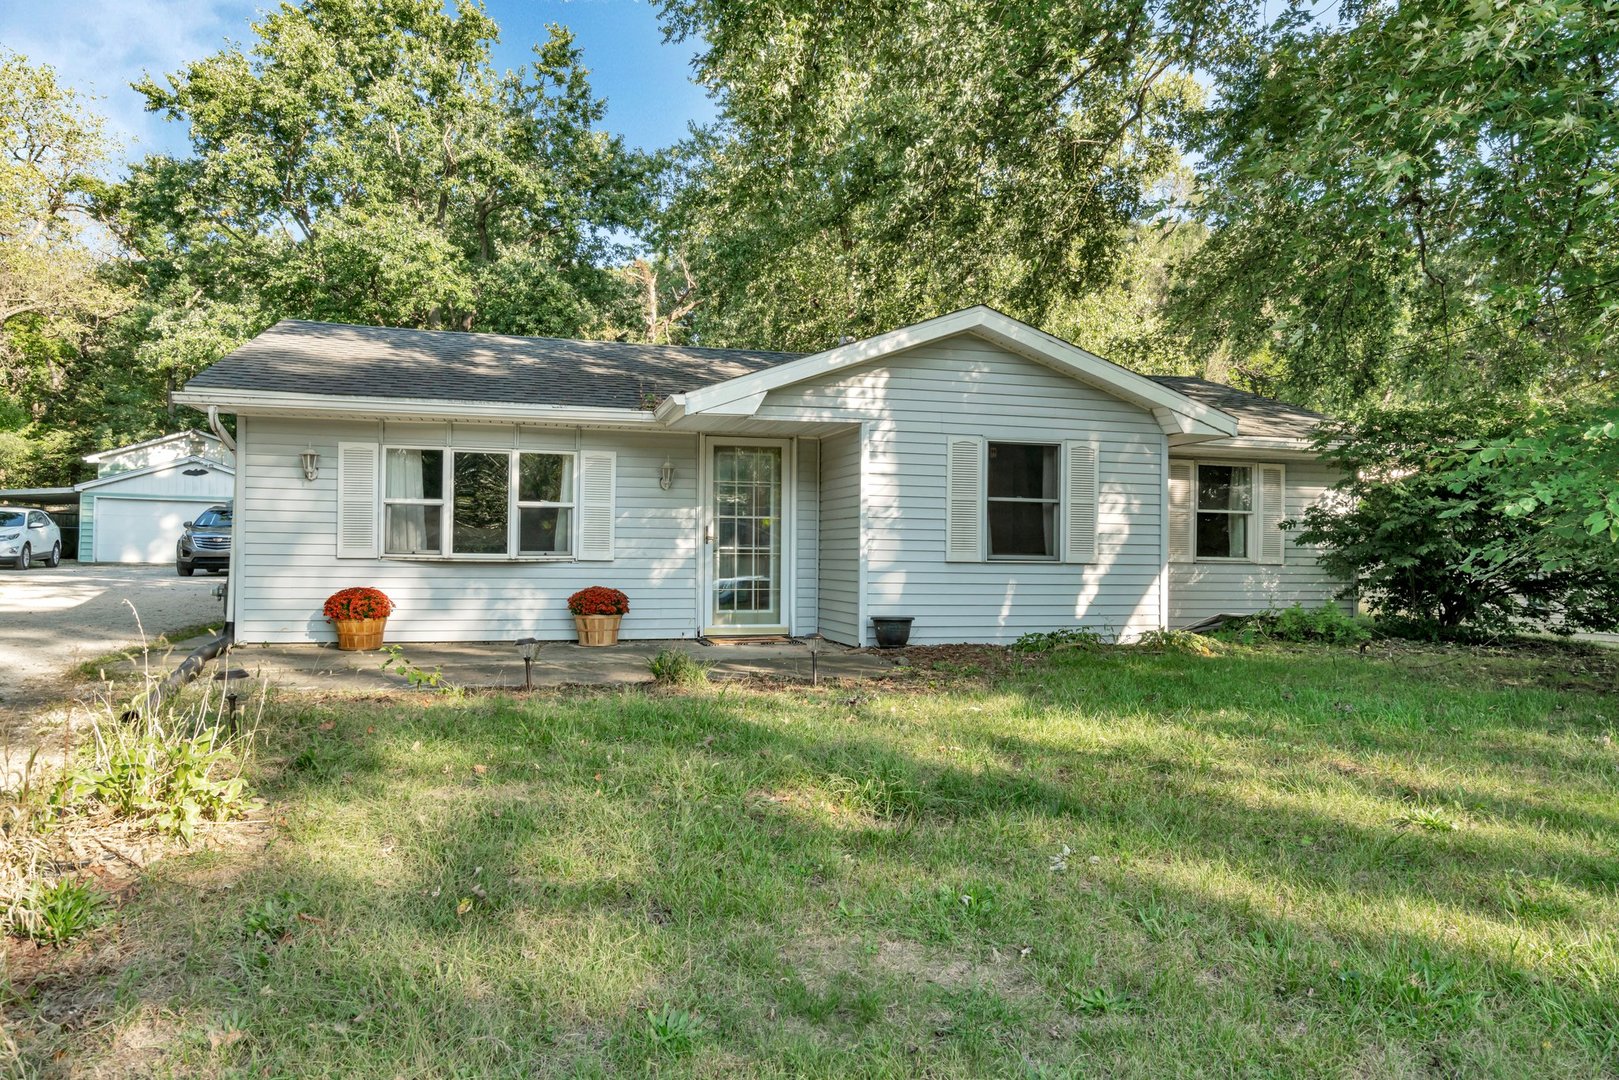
column 189, row 669
column 219, row 429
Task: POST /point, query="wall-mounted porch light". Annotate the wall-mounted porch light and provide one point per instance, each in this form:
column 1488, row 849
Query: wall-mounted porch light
column 311, row 463
column 666, row 474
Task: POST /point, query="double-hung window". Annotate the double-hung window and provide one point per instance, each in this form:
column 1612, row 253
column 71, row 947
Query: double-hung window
column 1023, row 498
column 477, row 503
column 1225, row 508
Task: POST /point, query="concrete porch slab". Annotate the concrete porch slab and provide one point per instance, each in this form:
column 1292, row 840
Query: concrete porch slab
column 323, row 668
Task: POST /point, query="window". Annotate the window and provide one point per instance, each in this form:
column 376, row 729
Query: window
column 214, row 518
column 413, row 502
column 1023, row 496
column 36, row 520
column 544, row 503
column 1225, row 503
column 477, row 503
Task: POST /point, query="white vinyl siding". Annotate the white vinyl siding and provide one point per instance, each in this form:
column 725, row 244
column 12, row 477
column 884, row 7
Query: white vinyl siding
column 839, row 579
column 913, row 404
column 284, row 566
column 1198, row 590
column 806, row 547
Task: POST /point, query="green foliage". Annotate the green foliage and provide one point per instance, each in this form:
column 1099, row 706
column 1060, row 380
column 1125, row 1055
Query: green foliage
column 370, row 164
column 1441, row 537
column 55, row 291
column 677, row 668
column 674, row 1031
column 1558, row 474
column 60, row 912
column 1328, row 624
column 1178, row 641
column 174, row 778
column 1072, row 637
column 274, row 917
column 1413, row 200
column 874, row 165
column 882, row 788
column 417, row 678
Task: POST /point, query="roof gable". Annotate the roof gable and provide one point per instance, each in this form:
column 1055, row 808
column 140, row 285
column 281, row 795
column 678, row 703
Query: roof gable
column 1175, row 412
column 189, row 461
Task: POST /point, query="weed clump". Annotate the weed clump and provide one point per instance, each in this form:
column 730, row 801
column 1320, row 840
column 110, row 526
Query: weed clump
column 1328, row 624
column 672, row 667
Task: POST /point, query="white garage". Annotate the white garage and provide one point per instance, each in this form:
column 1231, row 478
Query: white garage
column 136, row 515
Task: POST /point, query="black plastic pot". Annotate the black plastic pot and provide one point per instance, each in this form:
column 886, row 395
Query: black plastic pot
column 892, row 631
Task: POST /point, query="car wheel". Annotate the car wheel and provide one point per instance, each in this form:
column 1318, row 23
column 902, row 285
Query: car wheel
column 25, row 558
column 56, row 555
column 183, row 569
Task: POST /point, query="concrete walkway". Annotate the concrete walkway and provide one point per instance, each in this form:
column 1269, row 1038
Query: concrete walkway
column 323, row 668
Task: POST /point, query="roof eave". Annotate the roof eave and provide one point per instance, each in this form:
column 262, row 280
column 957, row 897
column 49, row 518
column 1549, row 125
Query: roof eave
column 267, row 402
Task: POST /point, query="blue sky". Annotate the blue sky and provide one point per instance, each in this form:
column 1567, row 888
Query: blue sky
column 100, row 46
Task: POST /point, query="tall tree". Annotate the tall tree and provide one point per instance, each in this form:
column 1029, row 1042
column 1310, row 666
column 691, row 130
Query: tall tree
column 54, row 292
column 1415, row 200
column 364, row 161
column 875, row 163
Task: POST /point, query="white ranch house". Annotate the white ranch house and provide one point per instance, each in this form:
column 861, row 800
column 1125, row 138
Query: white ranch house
column 977, row 474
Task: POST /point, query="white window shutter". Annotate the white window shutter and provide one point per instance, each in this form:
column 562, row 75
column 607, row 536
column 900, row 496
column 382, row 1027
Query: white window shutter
column 964, row 499
column 1180, row 511
column 1272, row 512
column 1079, row 510
column 356, row 500
column 596, row 511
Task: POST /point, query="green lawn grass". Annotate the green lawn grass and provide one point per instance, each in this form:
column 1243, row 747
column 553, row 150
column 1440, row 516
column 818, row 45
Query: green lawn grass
column 1270, row 862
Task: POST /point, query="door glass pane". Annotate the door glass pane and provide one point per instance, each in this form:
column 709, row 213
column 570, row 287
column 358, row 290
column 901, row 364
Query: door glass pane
column 747, row 536
column 482, row 489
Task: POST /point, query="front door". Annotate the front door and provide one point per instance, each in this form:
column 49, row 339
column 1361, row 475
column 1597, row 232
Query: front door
column 747, row 534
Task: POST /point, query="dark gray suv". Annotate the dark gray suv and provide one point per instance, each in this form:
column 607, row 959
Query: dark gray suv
column 205, row 543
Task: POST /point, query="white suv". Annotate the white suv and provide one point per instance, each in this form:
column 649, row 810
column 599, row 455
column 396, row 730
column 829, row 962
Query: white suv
column 26, row 535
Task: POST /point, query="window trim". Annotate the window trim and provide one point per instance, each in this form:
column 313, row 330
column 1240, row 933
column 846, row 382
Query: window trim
column 446, row 504
column 1058, row 503
column 1250, row 529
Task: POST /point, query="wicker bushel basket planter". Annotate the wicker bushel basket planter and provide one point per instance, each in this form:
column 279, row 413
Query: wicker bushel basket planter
column 597, row 629
column 359, row 635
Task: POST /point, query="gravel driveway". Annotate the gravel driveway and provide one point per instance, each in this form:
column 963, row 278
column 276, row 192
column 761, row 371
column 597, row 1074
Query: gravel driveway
column 53, row 620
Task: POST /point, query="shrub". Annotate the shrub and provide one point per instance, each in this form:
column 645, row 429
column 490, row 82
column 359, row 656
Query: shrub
column 1327, row 623
column 358, row 603
column 599, row 600
column 1454, row 524
column 1072, row 637
column 677, row 668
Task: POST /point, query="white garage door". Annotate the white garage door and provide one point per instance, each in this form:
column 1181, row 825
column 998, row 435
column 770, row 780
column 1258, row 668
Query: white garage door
column 141, row 530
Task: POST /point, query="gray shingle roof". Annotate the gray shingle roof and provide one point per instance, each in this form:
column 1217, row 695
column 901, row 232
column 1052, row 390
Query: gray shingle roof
column 295, row 356
column 1257, row 417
